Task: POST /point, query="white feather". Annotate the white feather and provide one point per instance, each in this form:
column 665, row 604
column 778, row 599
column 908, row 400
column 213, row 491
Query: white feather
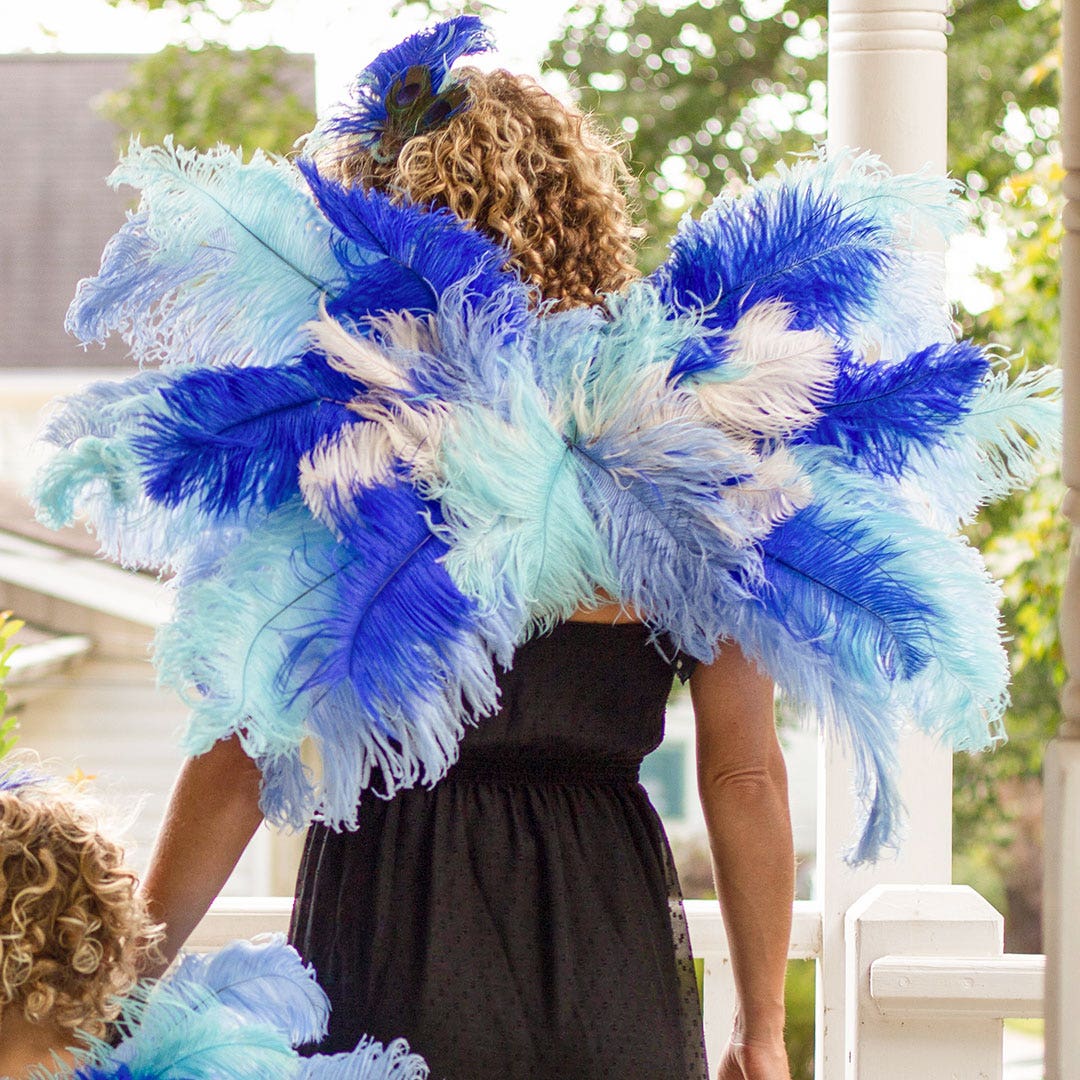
column 774, row 377
column 360, row 358
column 775, row 491
column 358, row 454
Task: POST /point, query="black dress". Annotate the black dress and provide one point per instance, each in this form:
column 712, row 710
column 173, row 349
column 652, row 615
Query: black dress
column 522, row 919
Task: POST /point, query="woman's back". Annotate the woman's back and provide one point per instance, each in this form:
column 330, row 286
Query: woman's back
column 517, row 919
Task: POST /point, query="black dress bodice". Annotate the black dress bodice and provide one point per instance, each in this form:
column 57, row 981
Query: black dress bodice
column 521, row 918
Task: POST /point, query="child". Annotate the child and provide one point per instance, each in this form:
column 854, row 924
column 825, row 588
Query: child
column 73, row 935
column 73, row 929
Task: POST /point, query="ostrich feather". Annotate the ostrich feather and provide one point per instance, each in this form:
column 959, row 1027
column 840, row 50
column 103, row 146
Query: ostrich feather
column 264, row 981
column 165, row 1037
column 392, row 440
column 518, row 530
column 359, row 357
column 436, row 48
column 100, row 408
column 228, row 438
column 224, row 262
column 774, row 380
column 399, row 256
column 833, row 240
column 871, row 618
column 369, row 1061
column 1009, row 429
column 363, row 644
column 100, row 479
column 878, row 412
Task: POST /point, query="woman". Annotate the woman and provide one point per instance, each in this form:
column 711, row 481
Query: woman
column 522, row 918
column 417, row 498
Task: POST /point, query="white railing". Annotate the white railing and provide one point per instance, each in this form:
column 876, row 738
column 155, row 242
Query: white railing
column 928, row 985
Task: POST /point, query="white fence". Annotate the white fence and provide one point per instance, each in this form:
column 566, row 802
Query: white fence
column 928, row 984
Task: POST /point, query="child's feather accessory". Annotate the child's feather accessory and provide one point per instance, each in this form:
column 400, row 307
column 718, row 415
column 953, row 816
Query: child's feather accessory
column 237, row 1015
column 377, row 468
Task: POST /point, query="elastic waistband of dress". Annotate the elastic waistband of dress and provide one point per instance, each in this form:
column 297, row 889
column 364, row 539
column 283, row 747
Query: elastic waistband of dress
column 478, row 768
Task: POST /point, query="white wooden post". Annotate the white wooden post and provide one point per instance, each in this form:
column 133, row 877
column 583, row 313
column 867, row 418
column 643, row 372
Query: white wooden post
column 926, row 921
column 1061, row 884
column 887, row 94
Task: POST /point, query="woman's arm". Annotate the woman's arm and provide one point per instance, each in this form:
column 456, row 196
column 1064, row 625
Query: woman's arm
column 742, row 781
column 213, row 812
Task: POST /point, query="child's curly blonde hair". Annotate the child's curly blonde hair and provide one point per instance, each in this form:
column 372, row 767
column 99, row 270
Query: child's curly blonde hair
column 73, row 931
column 529, row 171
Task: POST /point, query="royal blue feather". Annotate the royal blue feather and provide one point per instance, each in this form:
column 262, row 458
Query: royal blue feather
column 437, row 48
column 227, row 438
column 827, row 238
column 400, row 256
column 835, row 580
column 878, row 412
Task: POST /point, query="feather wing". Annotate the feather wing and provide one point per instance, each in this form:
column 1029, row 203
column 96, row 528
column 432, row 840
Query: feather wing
column 224, row 262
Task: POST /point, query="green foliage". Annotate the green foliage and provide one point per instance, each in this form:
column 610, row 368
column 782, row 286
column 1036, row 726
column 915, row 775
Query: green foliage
column 212, row 94
column 799, row 1029
column 700, row 92
column 194, row 8
column 9, row 627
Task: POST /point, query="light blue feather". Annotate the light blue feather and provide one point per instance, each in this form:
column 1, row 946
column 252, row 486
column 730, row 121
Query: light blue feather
column 101, row 480
column 165, row 1037
column 369, row 1061
column 518, row 529
column 100, row 409
column 1011, row 428
column 224, row 263
column 265, row 982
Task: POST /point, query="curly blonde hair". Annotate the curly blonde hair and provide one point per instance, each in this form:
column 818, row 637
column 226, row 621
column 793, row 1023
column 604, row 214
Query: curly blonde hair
column 529, row 171
column 73, row 931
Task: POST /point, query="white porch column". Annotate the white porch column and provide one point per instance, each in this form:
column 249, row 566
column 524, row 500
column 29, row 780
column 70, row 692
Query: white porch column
column 1061, row 885
column 887, row 94
column 920, row 1043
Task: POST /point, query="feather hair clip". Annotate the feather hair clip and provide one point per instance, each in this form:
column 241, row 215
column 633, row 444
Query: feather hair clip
column 406, row 90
